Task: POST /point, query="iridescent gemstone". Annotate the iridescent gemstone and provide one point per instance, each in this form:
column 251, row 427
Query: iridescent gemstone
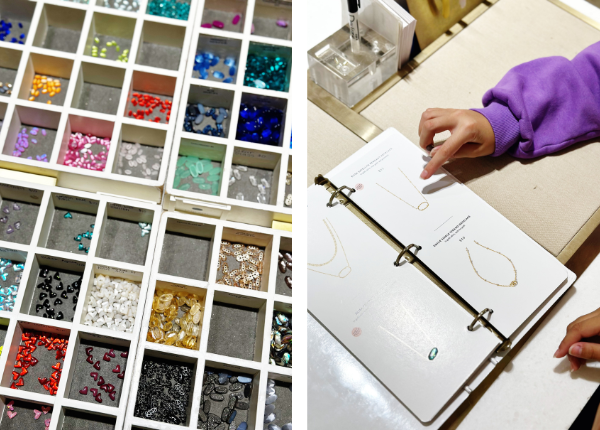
column 433, row 353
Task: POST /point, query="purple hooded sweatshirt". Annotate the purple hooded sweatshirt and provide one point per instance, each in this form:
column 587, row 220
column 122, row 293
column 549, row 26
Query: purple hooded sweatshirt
column 546, row 105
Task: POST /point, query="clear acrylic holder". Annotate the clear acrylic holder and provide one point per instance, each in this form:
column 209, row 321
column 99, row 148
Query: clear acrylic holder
column 347, row 75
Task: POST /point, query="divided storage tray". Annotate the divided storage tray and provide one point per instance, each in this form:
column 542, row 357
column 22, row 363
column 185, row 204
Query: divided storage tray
column 235, row 325
column 99, row 63
column 240, row 73
column 52, row 223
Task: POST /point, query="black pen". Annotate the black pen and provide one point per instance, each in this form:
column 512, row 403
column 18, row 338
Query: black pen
column 353, row 6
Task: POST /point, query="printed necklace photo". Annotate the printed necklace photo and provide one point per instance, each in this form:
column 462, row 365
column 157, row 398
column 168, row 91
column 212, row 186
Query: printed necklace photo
column 421, row 206
column 345, row 271
column 511, row 284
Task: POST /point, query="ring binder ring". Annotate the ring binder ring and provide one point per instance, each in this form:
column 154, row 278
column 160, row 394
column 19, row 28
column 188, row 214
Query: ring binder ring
column 404, row 251
column 471, row 327
column 336, row 192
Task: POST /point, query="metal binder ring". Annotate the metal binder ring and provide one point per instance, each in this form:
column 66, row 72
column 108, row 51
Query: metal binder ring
column 478, row 317
column 339, row 190
column 404, row 251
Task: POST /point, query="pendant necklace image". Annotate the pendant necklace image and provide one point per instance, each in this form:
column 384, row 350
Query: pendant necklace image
column 421, row 206
column 331, row 266
column 511, row 284
column 433, row 352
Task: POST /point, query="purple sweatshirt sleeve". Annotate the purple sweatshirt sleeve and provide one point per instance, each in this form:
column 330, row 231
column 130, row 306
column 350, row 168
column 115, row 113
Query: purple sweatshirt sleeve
column 546, row 105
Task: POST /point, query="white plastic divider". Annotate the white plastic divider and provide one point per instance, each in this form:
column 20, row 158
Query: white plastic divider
column 265, row 300
column 90, row 264
column 275, row 158
column 79, row 67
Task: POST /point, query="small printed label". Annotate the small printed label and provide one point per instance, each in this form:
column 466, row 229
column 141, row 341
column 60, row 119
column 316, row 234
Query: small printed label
column 76, row 199
column 195, row 224
column 116, row 270
column 120, row 207
column 244, row 233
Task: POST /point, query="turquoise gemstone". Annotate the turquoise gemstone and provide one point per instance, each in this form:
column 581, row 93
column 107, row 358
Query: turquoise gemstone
column 92, row 225
column 68, row 215
column 18, row 267
column 4, row 276
column 200, row 167
column 214, row 178
column 433, row 353
column 87, row 250
column 145, row 232
column 81, row 247
column 78, row 238
column 216, row 170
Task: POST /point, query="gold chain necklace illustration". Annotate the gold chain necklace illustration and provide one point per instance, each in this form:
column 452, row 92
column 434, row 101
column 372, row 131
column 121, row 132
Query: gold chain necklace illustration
column 347, row 269
column 422, row 206
column 512, row 284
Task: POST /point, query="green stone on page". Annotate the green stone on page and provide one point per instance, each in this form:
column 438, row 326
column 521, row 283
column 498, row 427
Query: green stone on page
column 433, row 353
column 193, row 171
column 184, row 187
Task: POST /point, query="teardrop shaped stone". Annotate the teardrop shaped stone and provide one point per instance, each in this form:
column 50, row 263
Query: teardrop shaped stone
column 433, row 353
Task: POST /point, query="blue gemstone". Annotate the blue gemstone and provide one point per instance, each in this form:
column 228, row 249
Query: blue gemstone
column 220, row 118
column 200, row 108
column 266, row 133
column 251, row 126
column 244, row 379
column 433, row 353
column 203, row 74
column 232, row 416
column 218, row 75
column 227, row 80
column 215, row 61
column 242, row 426
column 232, row 71
column 229, row 61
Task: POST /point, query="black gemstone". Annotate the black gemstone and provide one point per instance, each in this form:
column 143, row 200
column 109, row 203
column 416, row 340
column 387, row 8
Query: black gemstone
column 52, row 294
column 57, row 276
column 43, row 296
column 59, row 316
column 42, row 285
column 64, row 295
column 50, row 311
column 45, row 316
column 58, row 302
column 46, row 303
column 70, row 289
column 48, row 280
column 247, row 390
column 38, row 308
column 75, row 299
column 44, row 273
column 59, row 287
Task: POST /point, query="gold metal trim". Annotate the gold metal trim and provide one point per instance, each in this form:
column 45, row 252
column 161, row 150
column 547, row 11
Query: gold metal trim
column 576, row 13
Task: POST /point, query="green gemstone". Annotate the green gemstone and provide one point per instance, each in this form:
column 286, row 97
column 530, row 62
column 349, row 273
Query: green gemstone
column 193, row 171
column 205, row 186
column 207, row 164
column 185, row 187
column 215, row 189
column 433, row 353
column 176, row 181
column 198, row 180
column 68, row 215
column 214, row 178
column 189, row 163
column 185, row 174
column 181, row 161
column 216, row 170
column 200, row 167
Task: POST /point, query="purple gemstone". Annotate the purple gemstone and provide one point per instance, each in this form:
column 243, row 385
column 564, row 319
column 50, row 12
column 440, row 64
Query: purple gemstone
column 18, row 225
column 6, row 210
column 43, row 132
column 10, row 230
column 34, row 132
column 4, row 220
column 34, row 141
column 16, row 207
column 282, row 23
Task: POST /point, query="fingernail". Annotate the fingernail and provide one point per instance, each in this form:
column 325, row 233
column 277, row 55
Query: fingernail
column 575, row 350
column 433, row 151
column 556, row 354
column 424, row 174
column 573, row 369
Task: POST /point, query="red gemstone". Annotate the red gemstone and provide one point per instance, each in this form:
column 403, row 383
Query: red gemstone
column 18, row 365
column 112, row 353
column 94, row 391
column 112, row 395
column 89, row 350
column 121, row 375
column 84, row 390
column 117, row 369
column 98, row 398
column 56, row 366
column 106, row 357
column 15, row 376
column 90, row 359
column 125, row 354
column 34, row 361
column 100, row 381
column 97, row 365
column 20, row 382
column 43, row 380
column 13, row 386
column 94, row 375
column 110, row 388
column 24, row 371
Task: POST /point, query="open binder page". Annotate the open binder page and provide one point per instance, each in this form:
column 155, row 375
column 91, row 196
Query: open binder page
column 467, row 243
column 408, row 332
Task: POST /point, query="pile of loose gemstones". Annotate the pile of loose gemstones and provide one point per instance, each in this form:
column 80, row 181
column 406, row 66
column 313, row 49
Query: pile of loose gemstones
column 169, row 9
column 148, row 103
column 249, row 265
column 112, row 304
column 204, row 61
column 101, row 383
column 270, row 414
column 206, row 176
column 266, row 72
column 79, row 238
column 220, row 24
column 80, row 152
column 126, row 5
column 176, row 319
column 133, row 155
column 262, row 185
column 8, row 295
column 123, row 56
column 219, row 411
column 196, row 113
column 4, row 219
column 44, row 85
column 281, row 340
column 48, row 300
column 23, row 142
column 288, row 182
column 169, row 403
column 6, row 27
column 285, row 263
column 44, row 344
column 260, row 124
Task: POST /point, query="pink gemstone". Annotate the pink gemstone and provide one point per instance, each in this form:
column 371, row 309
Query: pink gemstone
column 206, row 25
column 236, row 19
column 252, row 31
column 218, row 24
column 282, row 23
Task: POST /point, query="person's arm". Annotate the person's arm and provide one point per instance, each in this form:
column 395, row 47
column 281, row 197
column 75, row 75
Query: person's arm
column 537, row 108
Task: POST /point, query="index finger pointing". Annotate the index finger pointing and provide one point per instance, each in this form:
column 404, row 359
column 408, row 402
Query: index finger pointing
column 443, row 154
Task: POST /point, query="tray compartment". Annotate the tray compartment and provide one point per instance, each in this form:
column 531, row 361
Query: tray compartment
column 112, row 372
column 59, row 28
column 25, row 418
column 262, row 119
column 268, row 67
column 19, row 14
column 77, row 131
column 161, row 45
column 114, row 29
column 28, row 200
column 98, row 88
column 78, row 420
column 237, row 326
column 284, row 268
column 12, row 265
column 273, row 19
column 140, row 152
column 125, row 234
column 55, row 71
column 208, row 100
column 150, row 97
column 10, row 59
column 47, row 292
column 66, row 218
column 252, row 171
column 230, row 13
column 187, row 249
column 199, row 167
column 217, row 59
column 282, row 406
column 32, row 134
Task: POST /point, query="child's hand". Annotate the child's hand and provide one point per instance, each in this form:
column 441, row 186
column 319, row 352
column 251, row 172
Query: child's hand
column 583, row 327
column 472, row 136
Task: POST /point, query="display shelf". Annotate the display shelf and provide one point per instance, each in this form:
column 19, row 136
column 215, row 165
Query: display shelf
column 207, row 81
column 45, row 252
column 235, row 324
column 96, row 58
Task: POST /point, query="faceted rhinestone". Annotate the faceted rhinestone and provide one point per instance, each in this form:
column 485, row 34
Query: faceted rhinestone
column 433, row 353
